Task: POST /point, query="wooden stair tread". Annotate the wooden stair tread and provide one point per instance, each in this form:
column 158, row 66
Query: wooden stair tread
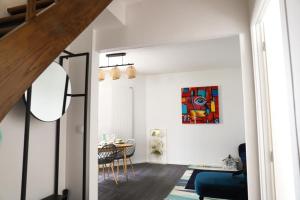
column 6, row 30
column 17, row 17
column 14, row 19
column 22, row 8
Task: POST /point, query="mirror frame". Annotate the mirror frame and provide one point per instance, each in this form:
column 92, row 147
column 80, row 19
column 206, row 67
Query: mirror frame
column 66, row 95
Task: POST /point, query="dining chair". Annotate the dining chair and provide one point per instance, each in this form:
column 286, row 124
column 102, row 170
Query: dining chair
column 106, row 156
column 130, row 152
column 119, row 156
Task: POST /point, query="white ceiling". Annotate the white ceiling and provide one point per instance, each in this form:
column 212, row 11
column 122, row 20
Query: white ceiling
column 202, row 55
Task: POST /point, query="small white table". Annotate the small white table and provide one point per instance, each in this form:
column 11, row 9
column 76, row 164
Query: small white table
column 213, row 168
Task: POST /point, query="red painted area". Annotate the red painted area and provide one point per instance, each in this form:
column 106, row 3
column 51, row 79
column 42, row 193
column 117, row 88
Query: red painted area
column 200, row 105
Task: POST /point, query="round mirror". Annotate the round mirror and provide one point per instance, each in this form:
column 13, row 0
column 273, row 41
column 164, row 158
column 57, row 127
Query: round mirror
column 49, row 99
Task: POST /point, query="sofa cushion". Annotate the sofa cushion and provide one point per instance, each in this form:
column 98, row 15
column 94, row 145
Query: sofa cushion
column 221, row 184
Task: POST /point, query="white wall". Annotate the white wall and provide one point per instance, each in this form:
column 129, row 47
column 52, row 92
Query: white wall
column 157, row 105
column 41, row 148
column 4, row 4
column 115, row 114
column 254, row 7
column 11, row 148
column 116, row 110
column 41, row 155
column 202, row 143
column 40, row 161
column 153, row 22
column 74, row 146
column 42, row 143
column 85, row 42
column 74, row 149
column 293, row 16
column 176, row 21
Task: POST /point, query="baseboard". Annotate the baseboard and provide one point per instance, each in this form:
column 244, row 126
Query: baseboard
column 134, row 161
column 139, row 161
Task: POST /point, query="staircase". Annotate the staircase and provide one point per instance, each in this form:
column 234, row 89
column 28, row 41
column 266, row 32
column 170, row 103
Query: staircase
column 28, row 47
column 18, row 16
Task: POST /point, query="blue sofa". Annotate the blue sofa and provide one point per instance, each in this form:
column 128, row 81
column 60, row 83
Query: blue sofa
column 228, row 185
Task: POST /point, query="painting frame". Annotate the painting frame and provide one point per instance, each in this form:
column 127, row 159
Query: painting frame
column 200, row 105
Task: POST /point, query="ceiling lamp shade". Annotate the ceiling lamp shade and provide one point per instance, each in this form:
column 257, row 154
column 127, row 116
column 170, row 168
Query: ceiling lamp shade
column 101, row 76
column 131, row 72
column 115, row 73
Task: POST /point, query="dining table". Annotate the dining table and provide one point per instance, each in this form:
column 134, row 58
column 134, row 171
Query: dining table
column 122, row 147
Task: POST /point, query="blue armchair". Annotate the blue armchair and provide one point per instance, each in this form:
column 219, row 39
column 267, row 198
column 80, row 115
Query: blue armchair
column 223, row 184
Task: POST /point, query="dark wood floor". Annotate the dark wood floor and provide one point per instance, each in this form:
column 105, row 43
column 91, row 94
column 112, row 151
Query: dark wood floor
column 151, row 182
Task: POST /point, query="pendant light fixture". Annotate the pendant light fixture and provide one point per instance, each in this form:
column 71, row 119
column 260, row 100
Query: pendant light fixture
column 115, row 72
column 101, row 75
column 131, row 72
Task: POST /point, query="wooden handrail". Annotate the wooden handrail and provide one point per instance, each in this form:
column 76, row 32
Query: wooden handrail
column 27, row 51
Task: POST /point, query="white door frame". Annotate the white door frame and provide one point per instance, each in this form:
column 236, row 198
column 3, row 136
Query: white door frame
column 265, row 150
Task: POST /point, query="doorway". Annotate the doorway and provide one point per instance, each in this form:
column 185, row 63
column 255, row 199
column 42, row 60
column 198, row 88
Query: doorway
column 279, row 158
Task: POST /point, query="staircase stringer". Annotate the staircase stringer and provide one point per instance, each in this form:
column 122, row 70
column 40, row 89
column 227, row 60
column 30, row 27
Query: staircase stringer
column 27, row 51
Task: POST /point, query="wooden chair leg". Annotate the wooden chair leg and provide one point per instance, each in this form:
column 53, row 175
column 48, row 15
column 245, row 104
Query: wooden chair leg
column 103, row 170
column 118, row 169
column 124, row 166
column 131, row 166
column 113, row 165
column 113, row 172
column 99, row 168
column 108, row 170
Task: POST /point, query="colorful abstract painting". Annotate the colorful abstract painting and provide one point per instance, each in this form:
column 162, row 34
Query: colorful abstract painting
column 200, row 105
